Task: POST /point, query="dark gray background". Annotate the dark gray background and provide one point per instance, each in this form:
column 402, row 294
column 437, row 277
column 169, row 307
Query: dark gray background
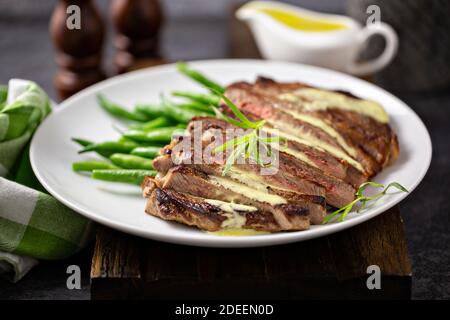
column 197, row 29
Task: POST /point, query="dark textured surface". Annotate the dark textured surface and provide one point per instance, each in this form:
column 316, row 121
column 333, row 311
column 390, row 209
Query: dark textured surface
column 427, row 48
column 330, row 267
column 25, row 51
column 427, row 210
column 47, row 281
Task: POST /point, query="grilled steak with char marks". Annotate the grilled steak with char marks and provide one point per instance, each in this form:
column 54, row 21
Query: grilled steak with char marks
column 192, row 181
column 196, row 211
column 374, row 142
column 301, row 177
column 330, row 151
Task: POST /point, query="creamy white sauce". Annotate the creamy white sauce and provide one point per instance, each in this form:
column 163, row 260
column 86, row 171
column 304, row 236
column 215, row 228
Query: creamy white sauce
column 309, row 99
column 248, row 178
column 237, row 232
column 315, row 143
column 261, row 195
column 234, row 221
column 299, row 155
column 233, row 212
column 230, row 207
column 252, row 180
column 319, row 123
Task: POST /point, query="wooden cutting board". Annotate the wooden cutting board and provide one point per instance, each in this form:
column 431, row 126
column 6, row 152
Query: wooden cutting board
column 127, row 267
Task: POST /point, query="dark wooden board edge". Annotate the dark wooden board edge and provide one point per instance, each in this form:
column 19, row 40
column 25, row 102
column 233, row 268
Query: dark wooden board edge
column 329, row 267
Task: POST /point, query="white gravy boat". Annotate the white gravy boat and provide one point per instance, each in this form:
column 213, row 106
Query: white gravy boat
column 336, row 49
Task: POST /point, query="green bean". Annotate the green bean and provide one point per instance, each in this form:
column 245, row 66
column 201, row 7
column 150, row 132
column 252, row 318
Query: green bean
column 151, row 110
column 85, row 143
column 153, row 124
column 157, row 135
column 196, row 106
column 122, row 139
column 92, row 165
column 146, row 152
column 123, row 176
column 198, row 77
column 169, row 111
column 172, row 111
column 128, row 161
column 82, row 142
column 159, row 144
column 110, row 147
column 181, row 115
column 119, row 111
column 197, row 97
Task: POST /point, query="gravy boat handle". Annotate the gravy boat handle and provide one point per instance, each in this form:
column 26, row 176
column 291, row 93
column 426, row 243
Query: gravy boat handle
column 369, row 67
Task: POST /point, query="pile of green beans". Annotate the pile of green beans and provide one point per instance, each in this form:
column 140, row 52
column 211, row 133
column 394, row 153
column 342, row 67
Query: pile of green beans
column 129, row 159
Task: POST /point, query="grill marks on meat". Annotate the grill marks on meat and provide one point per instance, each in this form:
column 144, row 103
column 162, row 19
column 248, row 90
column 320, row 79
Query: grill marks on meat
column 189, row 180
column 374, row 142
column 337, row 192
column 330, row 165
column 308, row 179
column 283, row 179
column 192, row 210
column 374, row 138
column 296, row 174
column 255, row 105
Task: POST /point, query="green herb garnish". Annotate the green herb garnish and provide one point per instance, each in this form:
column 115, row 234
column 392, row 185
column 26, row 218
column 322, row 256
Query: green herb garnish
column 198, row 77
column 360, row 197
column 248, row 145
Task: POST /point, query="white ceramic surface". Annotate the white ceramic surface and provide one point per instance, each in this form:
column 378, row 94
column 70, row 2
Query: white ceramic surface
column 337, row 50
column 122, row 207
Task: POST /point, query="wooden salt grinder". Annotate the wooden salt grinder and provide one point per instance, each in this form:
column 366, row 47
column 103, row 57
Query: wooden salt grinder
column 137, row 24
column 79, row 50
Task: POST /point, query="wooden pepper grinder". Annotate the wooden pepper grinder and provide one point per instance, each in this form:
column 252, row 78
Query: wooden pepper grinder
column 137, row 24
column 79, row 48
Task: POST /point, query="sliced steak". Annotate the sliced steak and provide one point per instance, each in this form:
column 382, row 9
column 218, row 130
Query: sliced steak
column 330, row 151
column 282, row 179
column 375, row 138
column 189, row 180
column 337, row 192
column 293, row 174
column 261, row 100
column 330, row 165
column 196, row 211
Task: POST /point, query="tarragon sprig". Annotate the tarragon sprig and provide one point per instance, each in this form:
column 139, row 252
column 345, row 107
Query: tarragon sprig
column 248, row 145
column 361, row 198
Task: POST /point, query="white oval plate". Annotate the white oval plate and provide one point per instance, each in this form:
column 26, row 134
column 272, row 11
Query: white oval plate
column 122, row 207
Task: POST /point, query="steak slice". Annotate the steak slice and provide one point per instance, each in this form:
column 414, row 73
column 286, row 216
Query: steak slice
column 214, row 216
column 375, row 138
column 380, row 141
column 322, row 160
column 189, row 180
column 293, row 173
column 261, row 105
column 331, row 149
column 282, row 179
column 337, row 192
column 261, row 100
column 330, row 165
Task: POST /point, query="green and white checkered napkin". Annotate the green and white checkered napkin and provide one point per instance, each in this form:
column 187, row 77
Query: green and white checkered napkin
column 33, row 225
